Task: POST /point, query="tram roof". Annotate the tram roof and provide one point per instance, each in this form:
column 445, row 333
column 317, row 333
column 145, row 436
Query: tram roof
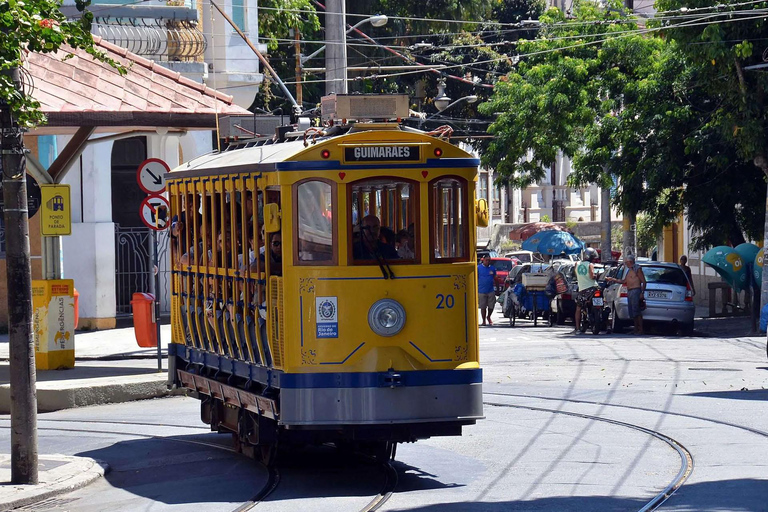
column 247, row 159
column 265, row 157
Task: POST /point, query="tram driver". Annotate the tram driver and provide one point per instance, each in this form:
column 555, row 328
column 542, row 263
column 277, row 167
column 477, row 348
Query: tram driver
column 370, row 246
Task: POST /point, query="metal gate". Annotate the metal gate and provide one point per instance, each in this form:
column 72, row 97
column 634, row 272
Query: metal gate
column 134, row 254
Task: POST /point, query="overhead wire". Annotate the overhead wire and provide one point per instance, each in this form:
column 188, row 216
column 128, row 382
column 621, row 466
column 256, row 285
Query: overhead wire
column 686, row 24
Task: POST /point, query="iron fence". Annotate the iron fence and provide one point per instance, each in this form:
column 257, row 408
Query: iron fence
column 134, row 268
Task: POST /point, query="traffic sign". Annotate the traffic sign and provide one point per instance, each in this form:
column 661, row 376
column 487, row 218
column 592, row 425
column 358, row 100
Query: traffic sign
column 56, row 212
column 33, row 196
column 154, row 212
column 151, row 175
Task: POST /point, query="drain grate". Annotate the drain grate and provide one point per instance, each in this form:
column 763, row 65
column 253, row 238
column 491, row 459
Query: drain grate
column 46, row 505
column 716, row 369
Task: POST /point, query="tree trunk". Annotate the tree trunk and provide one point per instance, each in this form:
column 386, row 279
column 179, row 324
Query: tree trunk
column 762, row 162
column 605, row 224
column 629, row 245
column 764, row 284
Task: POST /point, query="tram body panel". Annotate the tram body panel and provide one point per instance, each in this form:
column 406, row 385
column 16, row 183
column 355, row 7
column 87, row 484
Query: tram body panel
column 440, row 330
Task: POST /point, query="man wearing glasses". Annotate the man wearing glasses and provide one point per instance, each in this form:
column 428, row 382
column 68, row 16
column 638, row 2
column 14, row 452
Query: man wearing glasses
column 275, row 255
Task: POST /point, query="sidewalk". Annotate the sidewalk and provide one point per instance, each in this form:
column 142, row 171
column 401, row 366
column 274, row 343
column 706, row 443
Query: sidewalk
column 110, row 367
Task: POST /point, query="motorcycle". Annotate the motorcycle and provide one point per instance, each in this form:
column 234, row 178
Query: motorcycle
column 594, row 313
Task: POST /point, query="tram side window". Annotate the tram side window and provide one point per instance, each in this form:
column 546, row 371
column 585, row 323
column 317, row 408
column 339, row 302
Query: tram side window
column 314, row 217
column 383, row 215
column 448, row 210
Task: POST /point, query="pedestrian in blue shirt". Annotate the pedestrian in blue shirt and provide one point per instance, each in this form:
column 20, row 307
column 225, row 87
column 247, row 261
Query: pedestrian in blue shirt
column 486, row 274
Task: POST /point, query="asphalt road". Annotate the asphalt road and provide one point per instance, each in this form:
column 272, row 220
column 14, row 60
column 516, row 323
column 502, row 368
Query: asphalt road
column 573, row 422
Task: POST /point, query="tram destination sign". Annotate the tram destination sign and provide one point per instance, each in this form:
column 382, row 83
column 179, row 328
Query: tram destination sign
column 382, row 154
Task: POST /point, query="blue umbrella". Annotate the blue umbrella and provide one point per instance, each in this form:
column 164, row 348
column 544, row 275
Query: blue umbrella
column 553, row 242
column 748, row 253
column 757, row 268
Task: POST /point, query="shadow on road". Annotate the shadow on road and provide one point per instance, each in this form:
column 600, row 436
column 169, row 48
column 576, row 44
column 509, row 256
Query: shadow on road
column 179, row 470
column 750, row 394
column 741, row 495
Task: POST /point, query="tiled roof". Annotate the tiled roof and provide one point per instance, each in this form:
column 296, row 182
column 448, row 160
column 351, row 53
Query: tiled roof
column 83, row 91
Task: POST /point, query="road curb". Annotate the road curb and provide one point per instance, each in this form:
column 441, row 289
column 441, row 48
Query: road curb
column 67, row 474
column 66, row 394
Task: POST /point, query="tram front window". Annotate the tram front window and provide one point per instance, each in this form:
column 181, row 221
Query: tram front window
column 448, row 211
column 383, row 215
column 316, row 237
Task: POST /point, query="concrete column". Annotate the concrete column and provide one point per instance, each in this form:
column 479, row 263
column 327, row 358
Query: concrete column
column 335, row 47
column 89, row 253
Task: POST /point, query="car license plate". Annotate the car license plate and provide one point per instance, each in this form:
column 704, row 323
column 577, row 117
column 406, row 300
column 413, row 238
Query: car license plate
column 597, row 301
column 656, row 295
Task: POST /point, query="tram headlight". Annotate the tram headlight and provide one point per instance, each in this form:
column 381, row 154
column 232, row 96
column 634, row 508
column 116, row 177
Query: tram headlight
column 386, row 317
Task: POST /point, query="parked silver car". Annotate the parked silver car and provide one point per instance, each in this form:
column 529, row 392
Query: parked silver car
column 668, row 297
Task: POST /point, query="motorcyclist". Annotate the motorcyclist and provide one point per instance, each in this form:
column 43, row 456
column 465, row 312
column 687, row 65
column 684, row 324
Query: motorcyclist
column 585, row 275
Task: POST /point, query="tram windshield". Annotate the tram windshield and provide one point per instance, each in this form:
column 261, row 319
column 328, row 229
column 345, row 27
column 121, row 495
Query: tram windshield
column 448, row 210
column 383, row 215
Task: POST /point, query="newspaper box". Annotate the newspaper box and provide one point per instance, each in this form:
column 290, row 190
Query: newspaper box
column 53, row 321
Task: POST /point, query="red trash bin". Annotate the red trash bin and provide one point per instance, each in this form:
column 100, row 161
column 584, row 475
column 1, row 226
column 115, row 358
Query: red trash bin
column 77, row 307
column 143, row 306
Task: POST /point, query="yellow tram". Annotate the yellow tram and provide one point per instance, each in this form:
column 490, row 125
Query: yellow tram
column 324, row 287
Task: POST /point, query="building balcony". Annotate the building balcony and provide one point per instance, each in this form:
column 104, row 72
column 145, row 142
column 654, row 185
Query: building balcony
column 169, row 35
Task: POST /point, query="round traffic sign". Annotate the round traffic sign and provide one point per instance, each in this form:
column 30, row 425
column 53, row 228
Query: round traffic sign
column 154, row 212
column 151, row 175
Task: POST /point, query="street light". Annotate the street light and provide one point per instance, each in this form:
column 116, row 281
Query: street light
column 377, row 21
column 443, row 101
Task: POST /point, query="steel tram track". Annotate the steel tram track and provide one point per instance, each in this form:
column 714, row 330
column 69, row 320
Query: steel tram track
column 758, row 432
column 269, row 487
column 686, row 459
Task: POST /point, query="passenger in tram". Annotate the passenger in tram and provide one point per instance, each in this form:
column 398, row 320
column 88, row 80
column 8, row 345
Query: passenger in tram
column 404, row 245
column 370, row 246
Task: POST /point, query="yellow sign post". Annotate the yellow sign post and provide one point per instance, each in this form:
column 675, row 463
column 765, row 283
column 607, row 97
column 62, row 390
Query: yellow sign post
column 53, row 318
column 56, row 211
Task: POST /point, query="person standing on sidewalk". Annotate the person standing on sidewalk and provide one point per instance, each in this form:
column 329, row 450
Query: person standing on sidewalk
column 634, row 279
column 585, row 277
column 486, row 293
column 687, row 270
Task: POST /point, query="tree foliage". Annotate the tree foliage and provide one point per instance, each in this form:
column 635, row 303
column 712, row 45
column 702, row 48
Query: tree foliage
column 38, row 26
column 630, row 109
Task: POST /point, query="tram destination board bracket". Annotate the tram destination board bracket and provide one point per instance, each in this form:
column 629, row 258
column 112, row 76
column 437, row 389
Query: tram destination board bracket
column 364, row 106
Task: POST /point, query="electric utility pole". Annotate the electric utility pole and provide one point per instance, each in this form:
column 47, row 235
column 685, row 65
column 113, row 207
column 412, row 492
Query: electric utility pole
column 335, row 47
column 19, row 279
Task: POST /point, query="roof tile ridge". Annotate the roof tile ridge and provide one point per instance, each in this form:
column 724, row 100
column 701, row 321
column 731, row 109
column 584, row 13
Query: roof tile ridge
column 183, row 80
column 164, row 71
column 226, row 98
column 100, row 41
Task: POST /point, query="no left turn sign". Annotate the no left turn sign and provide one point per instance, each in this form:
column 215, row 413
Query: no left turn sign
column 154, row 212
column 151, row 175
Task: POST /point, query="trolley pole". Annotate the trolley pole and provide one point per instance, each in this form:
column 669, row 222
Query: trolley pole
column 19, row 278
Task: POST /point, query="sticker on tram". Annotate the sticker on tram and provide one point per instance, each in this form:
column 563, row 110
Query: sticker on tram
column 327, row 317
column 382, row 154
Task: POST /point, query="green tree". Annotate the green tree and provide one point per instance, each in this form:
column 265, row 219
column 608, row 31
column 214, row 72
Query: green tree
column 38, row 26
column 624, row 106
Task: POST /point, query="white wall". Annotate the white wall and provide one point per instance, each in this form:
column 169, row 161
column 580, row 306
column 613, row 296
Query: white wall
column 88, row 254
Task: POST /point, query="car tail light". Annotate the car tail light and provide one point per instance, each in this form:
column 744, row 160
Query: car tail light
column 623, row 291
column 598, row 294
column 688, row 293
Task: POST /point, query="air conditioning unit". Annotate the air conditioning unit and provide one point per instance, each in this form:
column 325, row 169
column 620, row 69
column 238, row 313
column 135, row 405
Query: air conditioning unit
column 364, row 107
